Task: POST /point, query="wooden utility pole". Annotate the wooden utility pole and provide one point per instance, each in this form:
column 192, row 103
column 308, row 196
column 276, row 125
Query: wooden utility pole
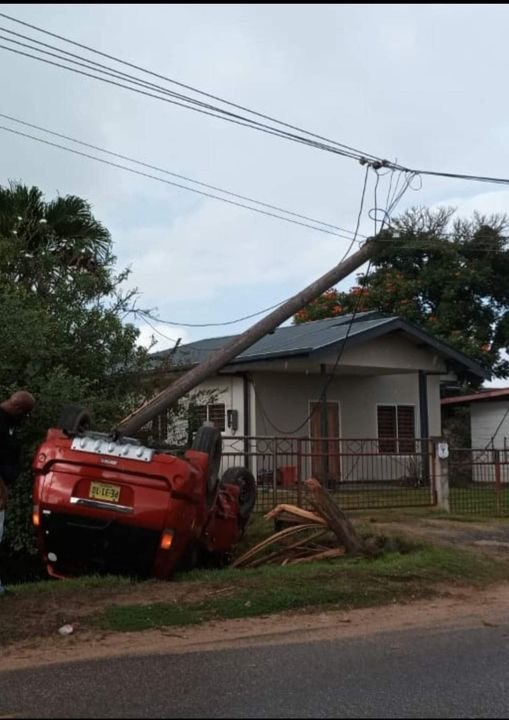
column 218, row 360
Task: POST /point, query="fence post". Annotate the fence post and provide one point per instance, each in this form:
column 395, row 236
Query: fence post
column 299, row 472
column 498, row 485
column 274, row 470
column 441, row 475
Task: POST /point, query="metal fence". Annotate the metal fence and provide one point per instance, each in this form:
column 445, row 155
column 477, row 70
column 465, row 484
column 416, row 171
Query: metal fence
column 479, row 481
column 361, row 473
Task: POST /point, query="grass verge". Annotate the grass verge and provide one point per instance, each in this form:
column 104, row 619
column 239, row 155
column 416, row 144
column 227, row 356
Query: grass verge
column 344, row 584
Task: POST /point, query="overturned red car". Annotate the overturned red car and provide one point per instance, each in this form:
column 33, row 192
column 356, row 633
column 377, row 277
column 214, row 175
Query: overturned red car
column 105, row 505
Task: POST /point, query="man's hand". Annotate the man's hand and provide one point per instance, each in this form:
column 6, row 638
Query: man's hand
column 4, row 495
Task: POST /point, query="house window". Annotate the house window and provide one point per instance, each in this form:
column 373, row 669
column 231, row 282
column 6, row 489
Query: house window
column 396, row 428
column 216, row 415
column 213, row 413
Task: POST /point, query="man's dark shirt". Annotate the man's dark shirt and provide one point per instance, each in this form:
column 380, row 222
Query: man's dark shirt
column 10, row 466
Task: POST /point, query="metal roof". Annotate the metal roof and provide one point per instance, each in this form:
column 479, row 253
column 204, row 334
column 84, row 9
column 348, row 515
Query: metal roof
column 311, row 337
column 486, row 395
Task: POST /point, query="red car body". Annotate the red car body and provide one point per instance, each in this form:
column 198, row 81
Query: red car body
column 134, row 511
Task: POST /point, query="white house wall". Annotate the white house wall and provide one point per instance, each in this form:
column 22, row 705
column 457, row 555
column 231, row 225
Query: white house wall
column 485, row 418
column 394, row 352
column 282, row 401
column 282, row 405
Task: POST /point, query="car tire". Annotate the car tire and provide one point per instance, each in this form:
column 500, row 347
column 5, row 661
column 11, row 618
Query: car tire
column 209, row 440
column 246, row 483
column 74, row 419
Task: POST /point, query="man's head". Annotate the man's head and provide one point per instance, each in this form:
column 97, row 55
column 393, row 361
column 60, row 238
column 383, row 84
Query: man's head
column 20, row 404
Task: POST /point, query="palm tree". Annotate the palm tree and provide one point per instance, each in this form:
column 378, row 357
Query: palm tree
column 45, row 244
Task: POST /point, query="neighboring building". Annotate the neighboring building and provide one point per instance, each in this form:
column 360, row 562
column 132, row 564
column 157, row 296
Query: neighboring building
column 489, row 417
column 381, row 377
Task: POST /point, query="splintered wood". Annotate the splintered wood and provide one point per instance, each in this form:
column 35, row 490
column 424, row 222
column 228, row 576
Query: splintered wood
column 323, row 534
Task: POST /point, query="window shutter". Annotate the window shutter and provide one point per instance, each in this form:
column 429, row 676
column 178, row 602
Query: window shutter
column 217, row 415
column 387, row 428
column 406, row 428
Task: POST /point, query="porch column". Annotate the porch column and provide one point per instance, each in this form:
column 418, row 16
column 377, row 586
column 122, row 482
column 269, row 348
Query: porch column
column 324, row 427
column 247, row 411
column 424, row 422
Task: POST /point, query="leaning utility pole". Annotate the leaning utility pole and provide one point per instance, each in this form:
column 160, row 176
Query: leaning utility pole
column 218, row 360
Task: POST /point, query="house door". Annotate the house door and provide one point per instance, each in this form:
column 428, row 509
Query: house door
column 325, row 459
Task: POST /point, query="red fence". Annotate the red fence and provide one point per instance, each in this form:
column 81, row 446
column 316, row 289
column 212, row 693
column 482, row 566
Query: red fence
column 479, row 481
column 360, row 472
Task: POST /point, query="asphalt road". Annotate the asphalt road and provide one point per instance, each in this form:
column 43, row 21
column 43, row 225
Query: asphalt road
column 425, row 674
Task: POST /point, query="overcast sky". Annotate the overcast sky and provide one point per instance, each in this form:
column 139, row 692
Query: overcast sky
column 423, row 84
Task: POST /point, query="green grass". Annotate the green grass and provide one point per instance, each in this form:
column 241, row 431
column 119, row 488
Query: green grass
column 343, row 584
column 72, row 585
column 481, row 501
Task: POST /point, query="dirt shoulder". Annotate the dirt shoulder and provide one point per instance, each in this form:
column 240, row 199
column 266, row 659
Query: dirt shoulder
column 456, row 607
column 491, row 536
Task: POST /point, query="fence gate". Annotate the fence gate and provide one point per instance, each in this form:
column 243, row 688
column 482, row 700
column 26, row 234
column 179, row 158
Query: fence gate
column 479, row 481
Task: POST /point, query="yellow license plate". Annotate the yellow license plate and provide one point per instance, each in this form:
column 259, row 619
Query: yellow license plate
column 102, row 491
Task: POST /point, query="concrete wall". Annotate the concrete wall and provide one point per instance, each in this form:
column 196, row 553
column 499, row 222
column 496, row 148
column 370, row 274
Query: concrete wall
column 282, row 402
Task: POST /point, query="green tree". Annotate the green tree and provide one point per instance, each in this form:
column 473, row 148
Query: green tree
column 63, row 334
column 450, row 276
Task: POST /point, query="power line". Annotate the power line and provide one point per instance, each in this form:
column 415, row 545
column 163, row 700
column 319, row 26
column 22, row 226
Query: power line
column 188, row 87
column 463, row 176
column 173, row 174
column 166, row 337
column 218, row 324
column 340, row 148
column 169, row 182
column 214, row 112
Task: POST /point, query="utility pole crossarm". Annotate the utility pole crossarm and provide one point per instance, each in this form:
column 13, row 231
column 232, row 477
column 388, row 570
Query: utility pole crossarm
column 222, row 357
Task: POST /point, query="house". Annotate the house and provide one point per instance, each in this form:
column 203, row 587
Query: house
column 364, row 379
column 489, row 417
column 487, row 458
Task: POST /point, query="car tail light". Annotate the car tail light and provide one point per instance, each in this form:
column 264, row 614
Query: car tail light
column 36, row 516
column 166, row 540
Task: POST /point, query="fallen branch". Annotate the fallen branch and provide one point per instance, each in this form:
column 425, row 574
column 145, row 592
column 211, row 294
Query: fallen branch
column 325, row 506
column 327, row 519
column 284, row 552
column 294, row 512
column 242, row 560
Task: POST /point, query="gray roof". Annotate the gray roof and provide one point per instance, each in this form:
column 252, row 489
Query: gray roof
column 308, row 338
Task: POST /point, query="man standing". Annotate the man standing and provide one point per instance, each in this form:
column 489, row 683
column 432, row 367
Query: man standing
column 12, row 412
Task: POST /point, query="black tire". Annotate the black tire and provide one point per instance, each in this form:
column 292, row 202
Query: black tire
column 208, row 440
column 74, row 419
column 247, row 485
